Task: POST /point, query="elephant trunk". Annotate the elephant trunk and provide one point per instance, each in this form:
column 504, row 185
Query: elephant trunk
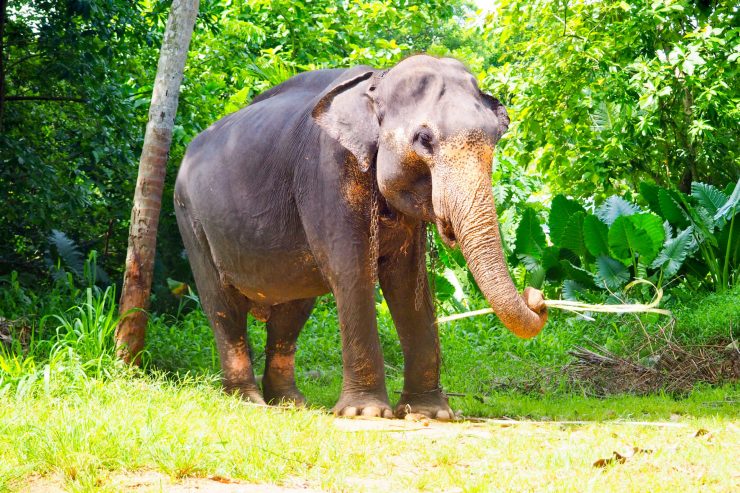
column 471, row 212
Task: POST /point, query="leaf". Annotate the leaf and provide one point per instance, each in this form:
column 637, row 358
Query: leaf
column 595, row 236
column 530, row 239
column 670, row 208
column 649, row 193
column 730, row 207
column 615, row 207
column 443, row 289
column 674, row 253
column 641, row 234
column 537, row 278
column 577, row 274
column 708, row 196
column 560, row 213
column 572, row 238
column 68, row 252
column 610, row 272
column 570, row 288
column 653, row 226
column 551, row 257
column 621, row 458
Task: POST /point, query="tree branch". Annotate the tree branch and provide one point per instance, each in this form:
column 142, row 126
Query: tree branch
column 46, row 98
column 21, row 60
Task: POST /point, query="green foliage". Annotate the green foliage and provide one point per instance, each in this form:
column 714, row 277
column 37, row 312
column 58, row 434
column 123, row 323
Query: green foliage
column 628, row 243
column 607, row 94
column 637, row 236
column 530, row 239
column 561, row 212
column 595, row 236
column 78, row 79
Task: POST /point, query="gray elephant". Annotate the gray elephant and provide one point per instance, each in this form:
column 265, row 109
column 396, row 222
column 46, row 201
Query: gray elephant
column 323, row 183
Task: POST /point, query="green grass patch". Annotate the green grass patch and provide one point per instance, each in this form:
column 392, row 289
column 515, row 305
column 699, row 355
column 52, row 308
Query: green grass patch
column 71, row 414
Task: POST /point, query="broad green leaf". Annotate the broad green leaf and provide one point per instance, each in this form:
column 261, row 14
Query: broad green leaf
column 674, row 252
column 570, row 288
column 595, row 236
column 610, row 272
column 577, row 274
column 731, row 207
column 530, row 239
column 653, row 227
column 560, row 213
column 708, row 196
column 536, row 278
column 573, row 236
column 615, row 207
column 670, row 208
column 641, row 234
column 443, row 289
column 649, row 193
column 66, row 252
column 550, row 257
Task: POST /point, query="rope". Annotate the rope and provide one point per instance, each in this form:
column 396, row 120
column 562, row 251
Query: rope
column 580, row 308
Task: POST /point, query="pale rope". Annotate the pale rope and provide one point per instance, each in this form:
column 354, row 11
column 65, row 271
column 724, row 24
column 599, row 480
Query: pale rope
column 579, row 308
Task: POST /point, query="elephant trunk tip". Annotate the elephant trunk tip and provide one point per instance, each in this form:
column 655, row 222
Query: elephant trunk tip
column 530, row 316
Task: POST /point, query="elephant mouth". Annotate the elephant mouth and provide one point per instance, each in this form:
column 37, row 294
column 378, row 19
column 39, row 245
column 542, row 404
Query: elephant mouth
column 444, row 227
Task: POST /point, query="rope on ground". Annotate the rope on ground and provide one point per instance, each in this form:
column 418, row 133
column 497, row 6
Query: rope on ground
column 580, row 308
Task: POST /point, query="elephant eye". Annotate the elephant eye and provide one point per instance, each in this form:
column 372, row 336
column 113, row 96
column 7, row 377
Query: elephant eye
column 425, row 138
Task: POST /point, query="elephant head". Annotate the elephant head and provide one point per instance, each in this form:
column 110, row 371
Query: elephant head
column 432, row 132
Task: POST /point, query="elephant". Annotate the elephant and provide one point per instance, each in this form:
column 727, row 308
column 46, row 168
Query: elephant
column 325, row 183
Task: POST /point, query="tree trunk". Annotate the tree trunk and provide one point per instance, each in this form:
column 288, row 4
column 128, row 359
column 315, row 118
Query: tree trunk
column 142, row 240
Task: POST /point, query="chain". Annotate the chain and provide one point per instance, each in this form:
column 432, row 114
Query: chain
column 426, row 243
column 374, row 232
column 433, row 256
column 421, row 267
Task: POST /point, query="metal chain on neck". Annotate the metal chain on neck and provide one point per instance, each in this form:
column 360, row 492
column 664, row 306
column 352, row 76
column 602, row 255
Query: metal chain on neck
column 374, row 229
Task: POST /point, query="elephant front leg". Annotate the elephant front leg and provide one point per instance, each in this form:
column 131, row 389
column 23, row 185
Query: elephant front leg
column 363, row 387
column 417, row 331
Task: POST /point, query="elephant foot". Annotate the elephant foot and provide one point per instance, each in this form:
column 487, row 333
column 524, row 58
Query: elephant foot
column 366, row 404
column 286, row 393
column 432, row 404
column 248, row 393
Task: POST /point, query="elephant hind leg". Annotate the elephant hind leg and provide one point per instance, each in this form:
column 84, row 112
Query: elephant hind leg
column 283, row 326
column 226, row 309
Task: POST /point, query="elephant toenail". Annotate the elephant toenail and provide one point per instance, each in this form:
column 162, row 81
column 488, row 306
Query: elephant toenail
column 371, row 411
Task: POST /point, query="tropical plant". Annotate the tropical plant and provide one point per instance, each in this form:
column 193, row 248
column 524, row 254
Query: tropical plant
column 693, row 235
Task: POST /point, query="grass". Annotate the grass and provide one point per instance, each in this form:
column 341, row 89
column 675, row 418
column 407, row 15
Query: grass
column 71, row 415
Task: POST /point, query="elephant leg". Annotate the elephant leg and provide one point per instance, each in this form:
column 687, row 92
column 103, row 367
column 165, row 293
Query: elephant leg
column 226, row 309
column 283, row 326
column 363, row 386
column 417, row 331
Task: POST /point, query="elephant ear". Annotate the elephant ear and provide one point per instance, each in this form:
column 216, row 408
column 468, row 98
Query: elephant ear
column 499, row 110
column 346, row 113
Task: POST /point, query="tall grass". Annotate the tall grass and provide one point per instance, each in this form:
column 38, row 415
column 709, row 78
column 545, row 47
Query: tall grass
column 81, row 347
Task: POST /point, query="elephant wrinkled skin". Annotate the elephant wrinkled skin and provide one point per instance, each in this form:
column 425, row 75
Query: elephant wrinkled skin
column 274, row 206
